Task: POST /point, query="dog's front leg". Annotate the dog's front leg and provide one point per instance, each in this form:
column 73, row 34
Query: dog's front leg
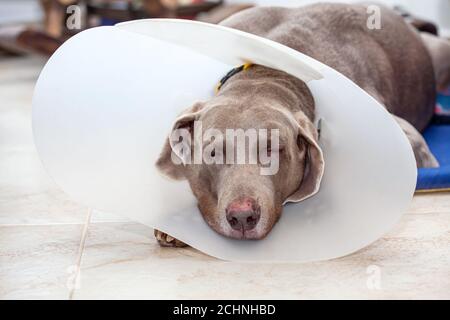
column 424, row 157
column 166, row 240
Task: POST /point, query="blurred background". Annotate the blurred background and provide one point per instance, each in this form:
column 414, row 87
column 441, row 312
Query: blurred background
column 40, row 26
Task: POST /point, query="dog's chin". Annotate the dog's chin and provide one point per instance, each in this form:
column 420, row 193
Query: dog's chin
column 247, row 235
column 254, row 234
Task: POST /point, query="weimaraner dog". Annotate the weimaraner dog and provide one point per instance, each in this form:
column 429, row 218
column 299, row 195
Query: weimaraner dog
column 397, row 65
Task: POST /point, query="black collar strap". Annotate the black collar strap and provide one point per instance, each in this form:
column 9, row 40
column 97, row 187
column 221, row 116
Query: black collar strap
column 231, row 73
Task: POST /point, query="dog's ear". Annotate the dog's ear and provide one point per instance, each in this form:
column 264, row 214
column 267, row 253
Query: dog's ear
column 170, row 162
column 314, row 162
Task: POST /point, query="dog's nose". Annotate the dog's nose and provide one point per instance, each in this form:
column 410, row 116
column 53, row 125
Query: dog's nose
column 243, row 214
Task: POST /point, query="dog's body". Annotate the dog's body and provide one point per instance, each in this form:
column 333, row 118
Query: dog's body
column 395, row 64
column 391, row 63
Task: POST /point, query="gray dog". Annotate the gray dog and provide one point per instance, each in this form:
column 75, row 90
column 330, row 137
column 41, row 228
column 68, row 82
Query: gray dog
column 397, row 65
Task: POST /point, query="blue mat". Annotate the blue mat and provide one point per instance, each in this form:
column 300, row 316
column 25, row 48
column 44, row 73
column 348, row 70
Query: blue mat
column 437, row 136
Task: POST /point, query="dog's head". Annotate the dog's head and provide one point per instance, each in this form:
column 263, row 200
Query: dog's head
column 243, row 199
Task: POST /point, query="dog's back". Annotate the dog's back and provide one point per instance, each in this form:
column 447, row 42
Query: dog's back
column 391, row 63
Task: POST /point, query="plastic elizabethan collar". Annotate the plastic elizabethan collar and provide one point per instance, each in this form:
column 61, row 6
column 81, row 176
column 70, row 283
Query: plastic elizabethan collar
column 105, row 102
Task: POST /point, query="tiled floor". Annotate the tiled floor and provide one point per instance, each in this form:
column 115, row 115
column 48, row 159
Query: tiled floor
column 48, row 249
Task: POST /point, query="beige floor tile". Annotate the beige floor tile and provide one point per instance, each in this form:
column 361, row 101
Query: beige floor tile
column 38, row 262
column 431, row 202
column 124, row 261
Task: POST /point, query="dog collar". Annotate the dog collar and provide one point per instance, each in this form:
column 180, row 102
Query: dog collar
column 99, row 126
column 231, row 73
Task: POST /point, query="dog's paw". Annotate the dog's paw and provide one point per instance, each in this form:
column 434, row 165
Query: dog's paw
column 165, row 240
column 422, row 153
column 425, row 159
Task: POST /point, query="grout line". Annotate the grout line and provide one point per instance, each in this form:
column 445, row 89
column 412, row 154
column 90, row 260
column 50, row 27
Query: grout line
column 80, row 255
